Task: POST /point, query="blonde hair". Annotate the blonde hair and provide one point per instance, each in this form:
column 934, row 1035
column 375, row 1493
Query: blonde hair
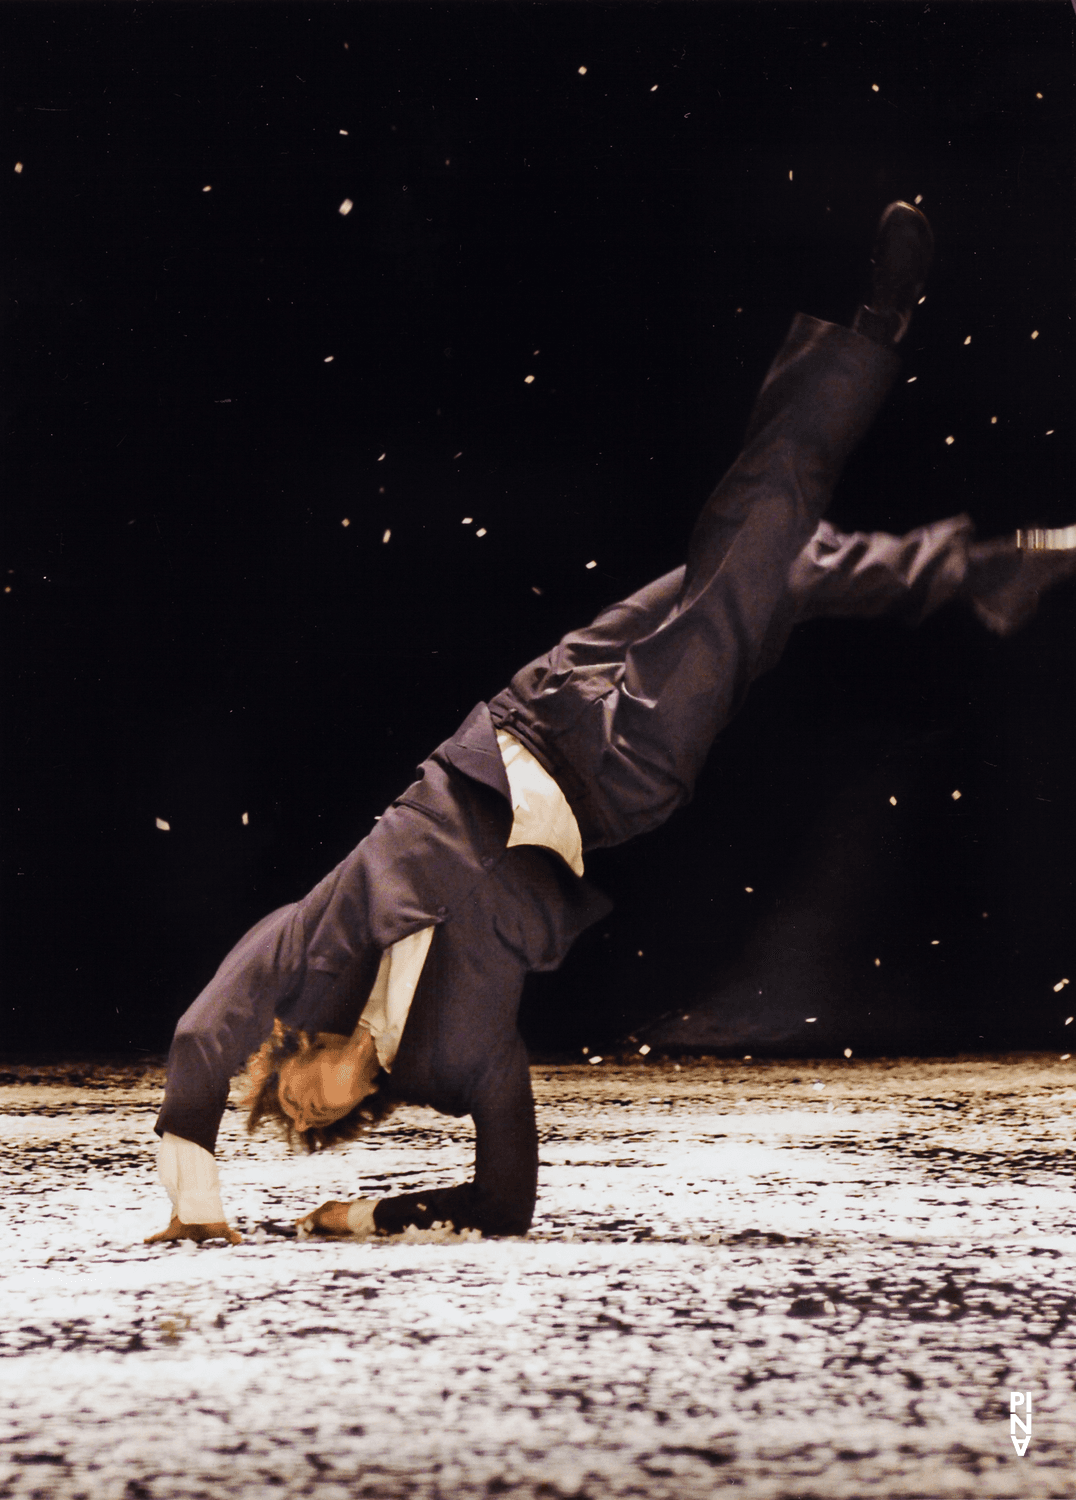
column 262, row 1097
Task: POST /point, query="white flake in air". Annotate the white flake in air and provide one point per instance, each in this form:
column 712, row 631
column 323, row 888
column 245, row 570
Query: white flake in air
column 595, row 1059
column 528, row 380
column 949, row 441
column 388, row 535
column 790, row 176
column 343, row 132
column 967, row 341
column 328, row 359
column 163, row 826
column 918, row 197
column 848, row 1052
column 582, row 71
column 1065, row 1056
column 535, row 589
column 874, row 88
column 877, row 963
column 1059, row 986
column 208, row 188
column 246, row 820
column 380, row 456
column 911, row 379
column 892, row 801
column 346, row 207
column 993, row 421
column 1035, row 334
column 18, row 166
column 467, row 520
column 346, row 521
column 481, row 531
column 811, row 1019
column 934, row 942
column 592, row 564
column 644, row 1049
column 749, row 889
column 955, row 796
column 654, row 89
column 459, row 454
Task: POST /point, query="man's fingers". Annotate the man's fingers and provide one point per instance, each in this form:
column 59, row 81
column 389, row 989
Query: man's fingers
column 173, row 1232
column 177, row 1230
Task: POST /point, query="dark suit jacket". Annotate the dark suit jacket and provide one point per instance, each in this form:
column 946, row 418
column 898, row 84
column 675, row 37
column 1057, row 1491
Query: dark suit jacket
column 437, row 857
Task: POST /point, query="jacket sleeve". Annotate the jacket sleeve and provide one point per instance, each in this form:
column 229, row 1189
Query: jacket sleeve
column 500, row 1200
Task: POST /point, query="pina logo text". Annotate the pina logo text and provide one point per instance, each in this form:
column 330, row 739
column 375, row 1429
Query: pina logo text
column 1020, row 1401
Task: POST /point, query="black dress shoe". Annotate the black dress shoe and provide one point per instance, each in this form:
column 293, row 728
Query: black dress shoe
column 900, row 260
column 1006, row 578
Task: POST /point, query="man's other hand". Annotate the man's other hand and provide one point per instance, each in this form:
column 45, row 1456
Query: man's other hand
column 355, row 1217
column 196, row 1232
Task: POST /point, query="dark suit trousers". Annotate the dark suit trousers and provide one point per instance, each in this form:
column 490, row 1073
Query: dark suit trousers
column 624, row 712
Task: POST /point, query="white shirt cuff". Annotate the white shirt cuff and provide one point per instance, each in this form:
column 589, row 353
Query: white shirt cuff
column 189, row 1174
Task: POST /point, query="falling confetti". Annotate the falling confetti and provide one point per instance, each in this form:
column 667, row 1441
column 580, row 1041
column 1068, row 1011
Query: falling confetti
column 848, row 1052
column 918, row 197
column 346, row 521
column 874, row 88
column 467, row 520
column 644, row 1050
column 1038, row 96
column 877, row 963
column 346, row 207
column 380, row 457
column 246, row 819
column 993, row 421
column 535, row 589
column 1059, row 986
column 343, row 132
column 749, row 889
column 582, row 71
column 1035, row 334
column 955, row 796
column 1065, row 1056
column 967, row 341
column 747, row 1058
column 892, row 801
column 18, row 166
column 921, row 301
column 811, row 1020
column 592, row 564
column 1049, row 432
column 949, row 441
column 163, row 826
column 1068, row 1020
column 595, row 1060
column 481, row 531
column 911, row 379
column 654, row 89
column 790, row 176
column 528, row 380
column 934, row 942
column 459, row 454
column 208, row 188
column 328, row 359
column 387, row 536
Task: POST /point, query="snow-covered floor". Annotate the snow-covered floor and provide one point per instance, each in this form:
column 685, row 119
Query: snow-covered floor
column 793, row 1280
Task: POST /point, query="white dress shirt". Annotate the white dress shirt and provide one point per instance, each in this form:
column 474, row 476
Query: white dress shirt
column 540, row 815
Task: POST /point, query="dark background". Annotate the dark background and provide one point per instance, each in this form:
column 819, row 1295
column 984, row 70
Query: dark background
column 192, row 634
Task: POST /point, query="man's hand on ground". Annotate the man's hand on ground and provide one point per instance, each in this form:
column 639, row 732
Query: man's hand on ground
column 355, row 1217
column 197, row 1232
